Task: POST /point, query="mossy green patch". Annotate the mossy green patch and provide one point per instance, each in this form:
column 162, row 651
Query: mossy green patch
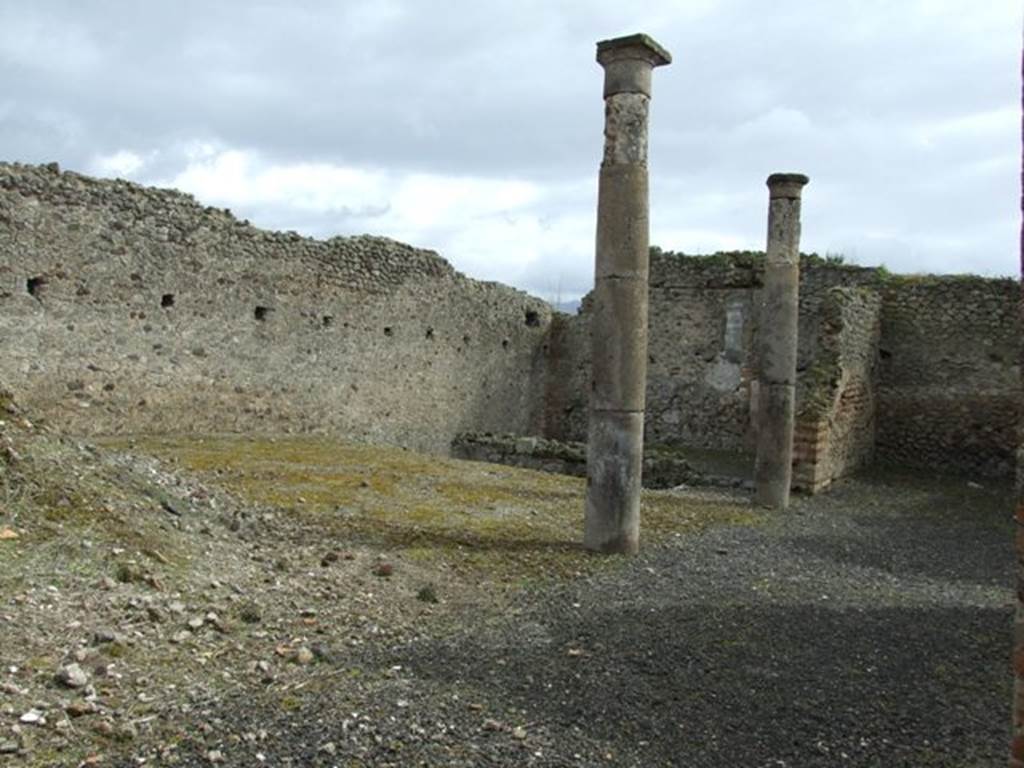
column 504, row 523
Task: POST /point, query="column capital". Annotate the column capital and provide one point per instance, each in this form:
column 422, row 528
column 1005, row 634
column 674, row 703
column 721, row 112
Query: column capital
column 786, row 185
column 628, row 62
column 638, row 46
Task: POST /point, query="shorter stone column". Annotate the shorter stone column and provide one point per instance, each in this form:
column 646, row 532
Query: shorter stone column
column 777, row 347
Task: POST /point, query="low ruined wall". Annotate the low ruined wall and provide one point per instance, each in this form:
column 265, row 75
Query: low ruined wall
column 124, row 308
column 947, row 390
column 661, row 468
column 523, row 451
column 835, row 422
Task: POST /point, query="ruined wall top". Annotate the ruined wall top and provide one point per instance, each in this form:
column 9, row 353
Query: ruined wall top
column 117, row 210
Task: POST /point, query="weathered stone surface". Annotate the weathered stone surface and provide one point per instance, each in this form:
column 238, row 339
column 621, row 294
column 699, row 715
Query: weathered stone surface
column 614, row 463
column 102, row 257
column 619, row 357
column 786, row 185
column 72, row 676
column 772, row 468
column 128, row 308
column 619, row 58
column 946, row 371
column 778, row 343
column 625, row 129
column 663, row 467
column 623, row 227
column 619, row 327
column 836, row 416
column 778, row 325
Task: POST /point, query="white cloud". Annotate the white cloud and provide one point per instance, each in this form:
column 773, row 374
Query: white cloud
column 45, row 44
column 972, row 129
column 424, row 200
column 124, row 163
column 697, row 241
column 493, row 228
column 241, row 179
column 778, row 122
column 477, row 131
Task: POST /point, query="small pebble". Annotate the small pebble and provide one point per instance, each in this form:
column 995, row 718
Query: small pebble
column 32, row 717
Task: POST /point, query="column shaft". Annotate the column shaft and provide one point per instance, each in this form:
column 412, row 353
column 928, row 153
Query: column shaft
column 777, row 347
column 619, row 325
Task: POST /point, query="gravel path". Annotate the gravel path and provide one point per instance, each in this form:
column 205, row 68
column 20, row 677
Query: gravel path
column 868, row 627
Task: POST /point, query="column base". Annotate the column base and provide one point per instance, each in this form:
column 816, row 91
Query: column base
column 773, row 469
column 614, row 465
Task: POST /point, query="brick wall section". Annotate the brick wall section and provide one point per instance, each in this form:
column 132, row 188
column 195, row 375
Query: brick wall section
column 835, row 424
column 124, row 308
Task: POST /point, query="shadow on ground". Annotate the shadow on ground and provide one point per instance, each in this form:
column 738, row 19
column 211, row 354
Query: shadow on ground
column 699, row 654
column 751, row 685
column 944, row 527
column 701, row 685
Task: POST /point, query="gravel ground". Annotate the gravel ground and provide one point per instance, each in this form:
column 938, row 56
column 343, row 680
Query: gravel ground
column 868, row 627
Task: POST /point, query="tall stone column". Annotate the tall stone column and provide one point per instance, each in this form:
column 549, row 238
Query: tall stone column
column 777, row 348
column 619, row 320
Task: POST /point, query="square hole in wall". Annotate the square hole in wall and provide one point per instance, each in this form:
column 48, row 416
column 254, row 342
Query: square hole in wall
column 34, row 285
column 167, row 300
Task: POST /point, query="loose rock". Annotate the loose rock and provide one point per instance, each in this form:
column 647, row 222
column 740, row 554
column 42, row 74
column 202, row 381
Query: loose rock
column 73, row 676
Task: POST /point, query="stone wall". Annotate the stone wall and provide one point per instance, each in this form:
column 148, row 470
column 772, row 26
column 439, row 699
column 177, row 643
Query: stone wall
column 662, row 468
column 124, row 308
column 702, row 363
column 835, row 421
column 946, row 396
column 698, row 367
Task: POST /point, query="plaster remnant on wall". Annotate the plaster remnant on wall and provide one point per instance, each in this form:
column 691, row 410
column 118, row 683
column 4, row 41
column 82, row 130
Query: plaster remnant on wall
column 724, row 376
column 734, row 331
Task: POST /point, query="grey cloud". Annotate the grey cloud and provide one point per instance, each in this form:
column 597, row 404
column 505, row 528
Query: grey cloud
column 833, row 89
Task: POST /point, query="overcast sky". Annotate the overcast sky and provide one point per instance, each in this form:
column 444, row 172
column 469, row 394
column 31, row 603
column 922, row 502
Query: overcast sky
column 474, row 127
